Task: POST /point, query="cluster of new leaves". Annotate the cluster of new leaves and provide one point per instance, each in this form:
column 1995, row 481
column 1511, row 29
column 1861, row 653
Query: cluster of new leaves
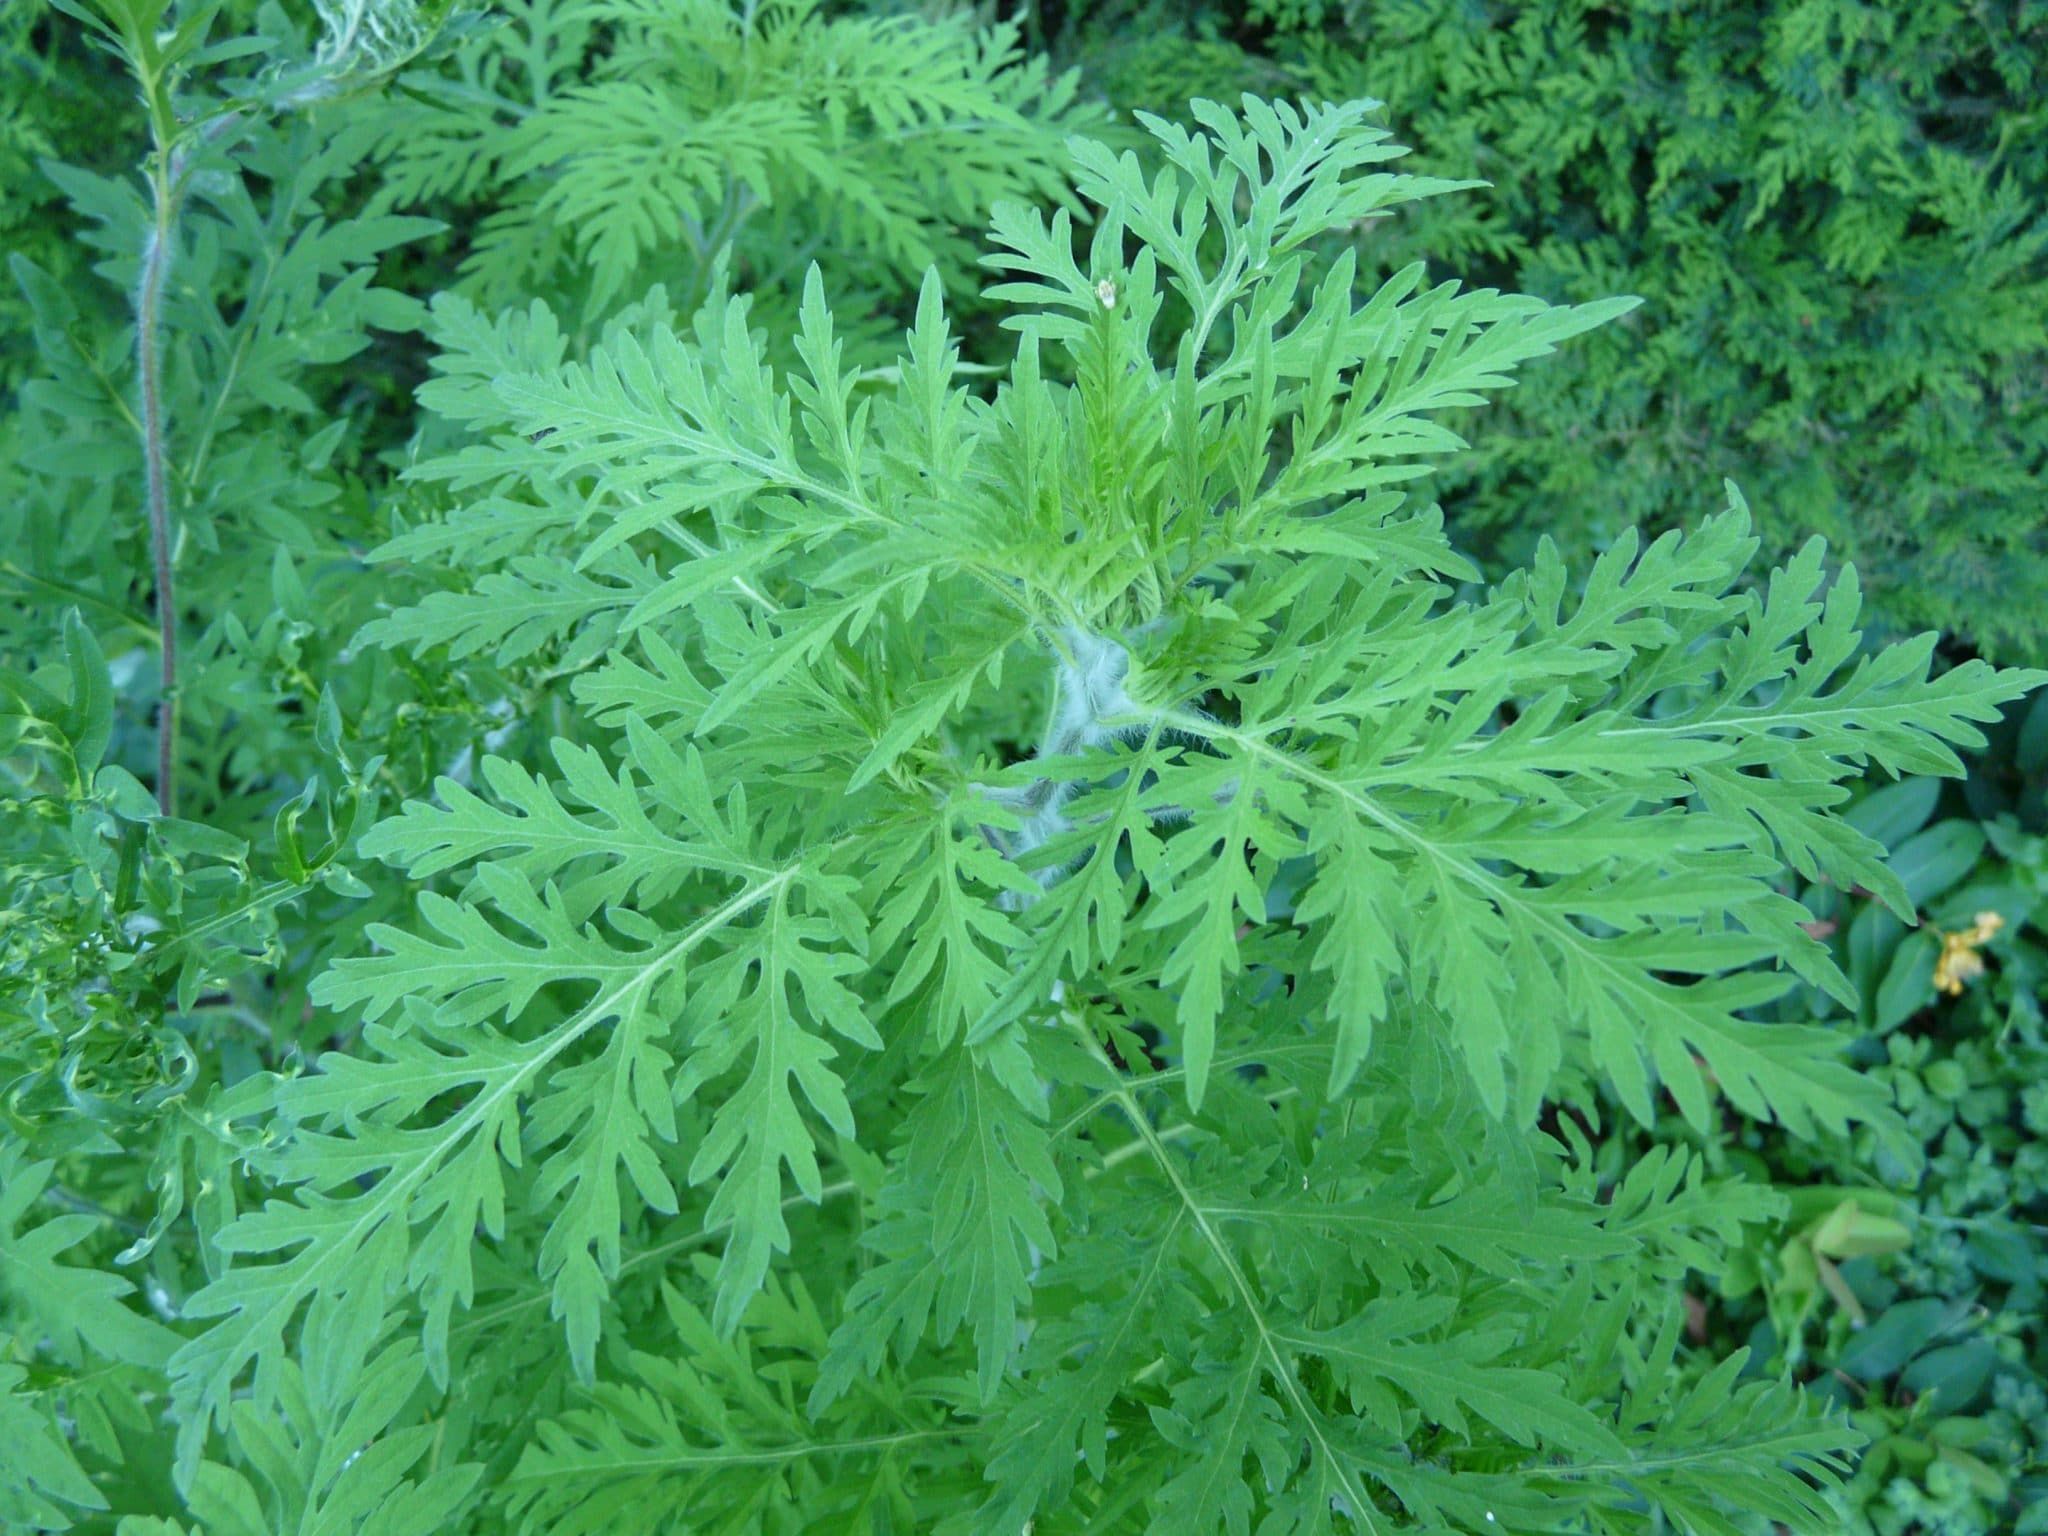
column 1186, row 1060
column 610, row 141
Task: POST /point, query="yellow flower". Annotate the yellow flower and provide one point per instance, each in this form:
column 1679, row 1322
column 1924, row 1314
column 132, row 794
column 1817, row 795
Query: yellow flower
column 1960, row 963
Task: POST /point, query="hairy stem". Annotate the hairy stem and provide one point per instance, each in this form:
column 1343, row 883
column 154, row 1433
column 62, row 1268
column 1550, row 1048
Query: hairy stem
column 167, row 177
column 156, row 264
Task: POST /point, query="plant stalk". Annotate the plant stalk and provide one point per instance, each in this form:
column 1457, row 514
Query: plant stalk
column 156, row 263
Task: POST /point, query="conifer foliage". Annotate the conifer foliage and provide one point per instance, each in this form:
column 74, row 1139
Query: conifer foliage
column 1051, row 973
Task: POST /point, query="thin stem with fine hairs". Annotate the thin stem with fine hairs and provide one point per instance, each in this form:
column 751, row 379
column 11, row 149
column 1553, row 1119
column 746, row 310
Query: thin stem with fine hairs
column 167, row 184
column 156, row 263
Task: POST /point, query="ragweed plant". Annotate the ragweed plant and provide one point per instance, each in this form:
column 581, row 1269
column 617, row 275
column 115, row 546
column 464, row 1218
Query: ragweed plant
column 1034, row 987
column 600, row 145
column 1185, row 1061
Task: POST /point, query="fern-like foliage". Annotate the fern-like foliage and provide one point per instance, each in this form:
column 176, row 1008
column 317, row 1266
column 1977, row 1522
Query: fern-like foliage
column 1083, row 821
column 1843, row 281
column 98, row 1356
column 630, row 137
